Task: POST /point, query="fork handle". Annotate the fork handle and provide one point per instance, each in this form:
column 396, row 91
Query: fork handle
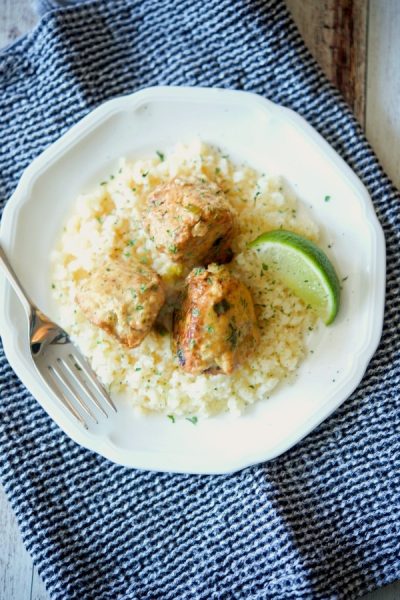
column 27, row 303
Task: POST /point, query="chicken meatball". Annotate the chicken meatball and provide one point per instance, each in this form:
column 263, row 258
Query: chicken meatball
column 215, row 329
column 123, row 298
column 191, row 222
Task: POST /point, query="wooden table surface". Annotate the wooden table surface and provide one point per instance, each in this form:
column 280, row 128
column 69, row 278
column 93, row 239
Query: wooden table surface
column 357, row 44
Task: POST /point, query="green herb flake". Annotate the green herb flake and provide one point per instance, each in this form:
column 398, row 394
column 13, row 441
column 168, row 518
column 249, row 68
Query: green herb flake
column 345, row 278
column 265, row 267
column 131, row 242
column 160, row 155
column 209, row 329
column 143, row 287
column 221, row 307
column 53, row 286
column 139, row 307
column 327, row 198
column 233, row 335
column 160, row 329
column 199, row 270
column 145, row 173
column 133, row 293
column 243, row 302
column 103, row 182
column 196, row 210
column 173, row 249
column 138, row 369
column 171, row 418
column 192, row 420
column 195, row 312
column 112, row 177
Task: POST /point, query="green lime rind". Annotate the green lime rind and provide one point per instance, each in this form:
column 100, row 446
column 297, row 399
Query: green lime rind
column 303, row 267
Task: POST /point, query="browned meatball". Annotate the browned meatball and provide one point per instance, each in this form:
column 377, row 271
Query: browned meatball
column 191, row 222
column 123, row 298
column 216, row 327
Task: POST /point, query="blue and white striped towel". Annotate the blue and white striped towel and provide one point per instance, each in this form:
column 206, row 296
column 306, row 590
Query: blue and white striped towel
column 321, row 521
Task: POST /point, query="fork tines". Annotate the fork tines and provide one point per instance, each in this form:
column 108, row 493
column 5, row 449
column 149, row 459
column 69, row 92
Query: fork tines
column 74, row 375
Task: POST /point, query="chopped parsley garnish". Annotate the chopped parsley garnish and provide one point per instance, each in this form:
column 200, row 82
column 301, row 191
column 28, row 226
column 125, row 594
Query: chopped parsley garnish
column 265, row 267
column 171, row 418
column 145, row 173
column 160, row 329
column 138, row 368
column 193, row 420
column 327, row 198
column 131, row 242
column 160, row 155
column 209, row 328
column 196, row 210
column 199, row 270
column 173, row 249
column 195, row 312
column 133, row 293
column 233, row 335
column 221, row 307
column 143, row 287
column 139, row 307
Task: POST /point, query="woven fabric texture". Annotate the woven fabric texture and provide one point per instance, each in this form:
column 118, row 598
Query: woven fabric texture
column 321, row 521
column 44, row 6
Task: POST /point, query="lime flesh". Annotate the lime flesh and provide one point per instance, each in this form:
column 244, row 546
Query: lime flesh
column 302, row 267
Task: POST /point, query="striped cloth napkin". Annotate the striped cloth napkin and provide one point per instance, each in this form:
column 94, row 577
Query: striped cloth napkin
column 321, row 521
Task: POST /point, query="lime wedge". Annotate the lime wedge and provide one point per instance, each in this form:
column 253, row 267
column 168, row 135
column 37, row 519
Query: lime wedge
column 302, row 267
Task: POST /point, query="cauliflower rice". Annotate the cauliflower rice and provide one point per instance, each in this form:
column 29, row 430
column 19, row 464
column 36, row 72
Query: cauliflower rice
column 108, row 221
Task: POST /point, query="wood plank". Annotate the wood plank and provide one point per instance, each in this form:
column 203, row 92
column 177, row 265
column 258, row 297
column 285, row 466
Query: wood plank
column 335, row 32
column 383, row 84
column 15, row 562
column 39, row 591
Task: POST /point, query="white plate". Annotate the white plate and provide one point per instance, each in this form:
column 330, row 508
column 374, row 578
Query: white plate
column 270, row 138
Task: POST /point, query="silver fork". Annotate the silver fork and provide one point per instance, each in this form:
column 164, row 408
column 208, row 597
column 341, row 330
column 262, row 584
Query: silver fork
column 60, row 364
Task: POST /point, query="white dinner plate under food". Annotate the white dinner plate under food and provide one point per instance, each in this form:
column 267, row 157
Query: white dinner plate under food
column 270, row 138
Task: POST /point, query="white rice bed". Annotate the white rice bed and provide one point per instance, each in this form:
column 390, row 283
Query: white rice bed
column 107, row 222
